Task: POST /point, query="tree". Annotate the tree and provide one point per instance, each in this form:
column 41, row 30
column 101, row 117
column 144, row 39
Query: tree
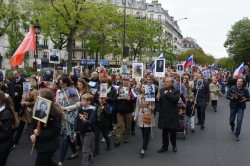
column 63, row 21
column 199, row 57
column 238, row 39
column 227, row 63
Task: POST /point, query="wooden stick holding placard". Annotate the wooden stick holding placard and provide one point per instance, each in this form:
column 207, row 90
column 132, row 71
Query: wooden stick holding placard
column 38, row 130
column 194, row 102
column 180, row 83
column 159, row 79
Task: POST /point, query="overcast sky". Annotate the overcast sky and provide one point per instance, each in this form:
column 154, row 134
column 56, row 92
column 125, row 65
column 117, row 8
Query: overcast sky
column 208, row 20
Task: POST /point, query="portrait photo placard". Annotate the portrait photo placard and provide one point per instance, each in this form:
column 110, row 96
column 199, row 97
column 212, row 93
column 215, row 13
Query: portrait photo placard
column 137, row 69
column 180, row 69
column 65, row 70
column 160, row 68
column 41, row 109
column 123, row 70
column 54, row 56
column 77, row 70
column 26, row 87
column 48, row 74
column 149, row 93
column 123, row 92
column 72, row 95
column 199, row 84
column 103, row 89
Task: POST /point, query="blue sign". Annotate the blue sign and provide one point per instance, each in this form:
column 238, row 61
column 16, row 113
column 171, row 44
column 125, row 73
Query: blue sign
column 92, row 62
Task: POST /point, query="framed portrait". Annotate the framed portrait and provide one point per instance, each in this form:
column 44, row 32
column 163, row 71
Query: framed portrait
column 61, row 99
column 48, row 75
column 39, row 64
column 26, row 87
column 199, row 84
column 41, row 109
column 180, row 69
column 103, row 89
column 160, row 68
column 123, row 70
column 149, row 93
column 137, row 69
column 72, row 95
column 65, row 70
column 54, row 56
column 77, row 70
column 195, row 69
column 123, row 92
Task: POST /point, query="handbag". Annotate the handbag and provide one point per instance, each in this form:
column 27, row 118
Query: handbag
column 147, row 118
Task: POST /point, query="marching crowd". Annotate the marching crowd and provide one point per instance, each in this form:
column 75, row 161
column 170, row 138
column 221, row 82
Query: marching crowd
column 81, row 124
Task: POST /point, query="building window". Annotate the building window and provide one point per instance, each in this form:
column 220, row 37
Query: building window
column 73, row 54
column 185, row 45
column 113, row 57
column 45, row 43
column 159, row 17
column 151, row 16
column 45, row 54
column 92, row 55
column 74, row 43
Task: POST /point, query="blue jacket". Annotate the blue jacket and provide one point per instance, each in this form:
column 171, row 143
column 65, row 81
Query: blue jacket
column 84, row 127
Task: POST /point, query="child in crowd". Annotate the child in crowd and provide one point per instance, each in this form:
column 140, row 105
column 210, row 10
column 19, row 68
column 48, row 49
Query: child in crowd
column 102, row 115
column 190, row 113
column 85, row 125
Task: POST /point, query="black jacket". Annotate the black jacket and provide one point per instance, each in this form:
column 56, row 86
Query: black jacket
column 87, row 126
column 5, row 130
column 18, row 88
column 238, row 102
column 48, row 139
column 103, row 116
column 203, row 96
column 168, row 109
column 125, row 106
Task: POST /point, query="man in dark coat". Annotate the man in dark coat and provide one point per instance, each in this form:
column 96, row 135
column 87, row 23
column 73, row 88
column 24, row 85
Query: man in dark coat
column 168, row 114
column 18, row 91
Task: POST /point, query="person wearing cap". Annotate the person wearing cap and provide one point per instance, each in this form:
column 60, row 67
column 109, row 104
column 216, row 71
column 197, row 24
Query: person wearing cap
column 125, row 105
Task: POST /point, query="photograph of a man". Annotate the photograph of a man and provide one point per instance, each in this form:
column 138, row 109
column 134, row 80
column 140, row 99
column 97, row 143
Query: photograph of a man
column 149, row 92
column 48, row 75
column 42, row 110
column 54, row 56
column 159, row 65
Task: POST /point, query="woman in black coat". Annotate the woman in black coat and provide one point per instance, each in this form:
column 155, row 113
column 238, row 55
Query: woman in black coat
column 7, row 121
column 47, row 140
column 168, row 114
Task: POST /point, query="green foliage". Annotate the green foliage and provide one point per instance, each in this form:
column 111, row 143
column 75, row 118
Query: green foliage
column 227, row 62
column 238, row 39
column 199, row 57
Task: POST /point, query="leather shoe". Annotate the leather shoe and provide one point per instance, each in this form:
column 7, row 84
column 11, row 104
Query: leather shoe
column 117, row 144
column 174, row 149
column 108, row 148
column 202, row 127
column 197, row 123
column 162, row 150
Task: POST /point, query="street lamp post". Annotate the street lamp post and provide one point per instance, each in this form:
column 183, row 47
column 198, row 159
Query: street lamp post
column 125, row 49
column 173, row 38
column 37, row 29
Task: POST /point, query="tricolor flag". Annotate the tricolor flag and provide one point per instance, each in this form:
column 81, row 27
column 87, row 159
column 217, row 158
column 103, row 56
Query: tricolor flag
column 239, row 70
column 133, row 94
column 152, row 68
column 28, row 44
column 189, row 62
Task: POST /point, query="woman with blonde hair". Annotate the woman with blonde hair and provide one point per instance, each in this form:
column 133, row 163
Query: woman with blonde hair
column 144, row 109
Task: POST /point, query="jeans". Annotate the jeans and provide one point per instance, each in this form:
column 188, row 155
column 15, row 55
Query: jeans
column 65, row 142
column 98, row 132
column 240, row 114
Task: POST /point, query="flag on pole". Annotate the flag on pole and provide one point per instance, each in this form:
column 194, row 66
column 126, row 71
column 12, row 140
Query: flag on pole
column 189, row 62
column 152, row 68
column 28, row 44
column 239, row 70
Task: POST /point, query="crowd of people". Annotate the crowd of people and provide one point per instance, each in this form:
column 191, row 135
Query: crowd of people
column 80, row 121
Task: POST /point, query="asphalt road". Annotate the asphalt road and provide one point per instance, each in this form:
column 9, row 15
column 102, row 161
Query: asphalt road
column 212, row 147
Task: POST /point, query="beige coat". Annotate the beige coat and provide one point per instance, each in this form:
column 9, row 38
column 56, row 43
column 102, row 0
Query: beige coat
column 142, row 107
column 214, row 91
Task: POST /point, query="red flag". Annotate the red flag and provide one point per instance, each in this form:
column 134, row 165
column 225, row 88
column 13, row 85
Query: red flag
column 28, row 44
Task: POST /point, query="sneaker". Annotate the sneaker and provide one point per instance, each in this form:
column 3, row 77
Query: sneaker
column 103, row 140
column 236, row 138
column 111, row 133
